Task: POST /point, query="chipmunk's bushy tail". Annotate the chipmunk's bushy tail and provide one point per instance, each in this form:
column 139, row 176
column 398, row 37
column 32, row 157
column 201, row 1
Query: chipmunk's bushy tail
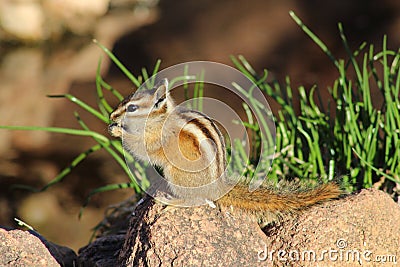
column 273, row 201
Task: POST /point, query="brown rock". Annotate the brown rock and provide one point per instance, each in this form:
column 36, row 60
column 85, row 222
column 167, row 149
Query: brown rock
column 65, row 256
column 200, row 236
column 359, row 229
column 20, row 248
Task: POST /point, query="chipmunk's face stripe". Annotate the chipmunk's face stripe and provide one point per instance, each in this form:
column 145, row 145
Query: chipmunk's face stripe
column 126, row 100
column 120, row 110
column 116, row 114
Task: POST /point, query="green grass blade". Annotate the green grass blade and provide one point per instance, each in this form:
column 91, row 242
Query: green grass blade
column 64, row 172
column 376, row 169
column 110, row 88
column 242, row 67
column 83, row 105
column 57, row 130
column 156, row 67
column 350, row 54
column 316, row 40
column 102, row 102
column 126, row 72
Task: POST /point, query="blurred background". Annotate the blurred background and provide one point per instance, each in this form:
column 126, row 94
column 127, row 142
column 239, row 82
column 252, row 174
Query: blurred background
column 46, row 48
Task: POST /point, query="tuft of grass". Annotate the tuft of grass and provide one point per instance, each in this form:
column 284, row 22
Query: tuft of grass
column 360, row 139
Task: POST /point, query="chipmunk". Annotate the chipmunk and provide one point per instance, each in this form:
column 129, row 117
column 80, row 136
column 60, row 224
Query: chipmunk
column 190, row 149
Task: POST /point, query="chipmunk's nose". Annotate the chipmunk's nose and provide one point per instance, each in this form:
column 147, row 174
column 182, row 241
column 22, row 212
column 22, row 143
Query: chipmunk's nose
column 111, row 126
column 114, row 129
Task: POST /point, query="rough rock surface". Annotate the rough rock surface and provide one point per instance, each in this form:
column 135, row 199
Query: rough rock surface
column 359, row 229
column 362, row 229
column 21, row 248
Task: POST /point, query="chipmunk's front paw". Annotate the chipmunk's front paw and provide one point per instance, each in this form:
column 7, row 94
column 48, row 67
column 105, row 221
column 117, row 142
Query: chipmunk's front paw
column 115, row 129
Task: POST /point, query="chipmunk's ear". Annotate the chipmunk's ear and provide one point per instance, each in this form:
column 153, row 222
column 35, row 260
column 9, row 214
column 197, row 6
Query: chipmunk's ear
column 162, row 93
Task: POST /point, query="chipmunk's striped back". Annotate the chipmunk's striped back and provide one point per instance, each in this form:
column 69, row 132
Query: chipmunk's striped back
column 199, row 143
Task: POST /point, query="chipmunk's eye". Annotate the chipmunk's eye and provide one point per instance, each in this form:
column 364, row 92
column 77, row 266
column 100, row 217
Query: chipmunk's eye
column 131, row 108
